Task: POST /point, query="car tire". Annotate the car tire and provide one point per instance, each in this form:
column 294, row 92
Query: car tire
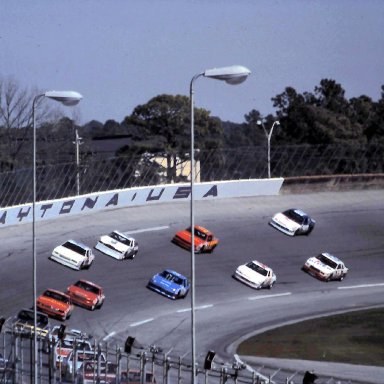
column 271, row 285
column 100, row 305
column 341, row 277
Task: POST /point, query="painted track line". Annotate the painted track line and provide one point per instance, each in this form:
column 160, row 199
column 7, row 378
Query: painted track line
column 142, row 322
column 147, row 230
column 196, row 308
column 109, row 336
column 362, row 286
column 269, row 296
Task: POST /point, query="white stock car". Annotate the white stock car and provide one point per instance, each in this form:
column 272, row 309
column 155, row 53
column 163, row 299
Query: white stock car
column 326, row 267
column 73, row 254
column 118, row 245
column 255, row 274
column 293, row 222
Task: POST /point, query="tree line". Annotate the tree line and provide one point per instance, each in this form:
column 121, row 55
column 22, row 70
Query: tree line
column 162, row 126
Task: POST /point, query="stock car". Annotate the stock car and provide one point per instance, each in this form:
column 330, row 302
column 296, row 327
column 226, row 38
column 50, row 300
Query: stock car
column 74, row 361
column 204, row 240
column 86, row 294
column 255, row 274
column 170, row 284
column 23, row 323
column 118, row 245
column 55, row 304
column 293, row 222
column 73, row 254
column 326, row 267
column 64, row 347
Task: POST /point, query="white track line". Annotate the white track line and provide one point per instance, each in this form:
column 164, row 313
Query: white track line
column 196, row 308
column 142, row 322
column 362, row 286
column 269, row 296
column 109, row 336
column 148, row 229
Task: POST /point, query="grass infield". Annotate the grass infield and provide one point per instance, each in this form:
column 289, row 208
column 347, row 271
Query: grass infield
column 354, row 338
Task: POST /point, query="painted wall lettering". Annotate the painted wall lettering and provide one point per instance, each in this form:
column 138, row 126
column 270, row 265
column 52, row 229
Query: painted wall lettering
column 22, row 214
column 152, row 197
column 182, row 193
column 114, row 200
column 89, row 203
column 67, row 206
column 138, row 196
column 44, row 208
column 212, row 192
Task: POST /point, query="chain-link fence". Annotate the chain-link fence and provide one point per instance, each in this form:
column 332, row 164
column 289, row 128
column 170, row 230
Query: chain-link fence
column 80, row 359
column 98, row 174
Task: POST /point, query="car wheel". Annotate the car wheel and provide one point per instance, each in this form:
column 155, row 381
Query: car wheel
column 93, row 306
column 100, row 305
column 342, row 277
column 271, row 285
column 329, row 278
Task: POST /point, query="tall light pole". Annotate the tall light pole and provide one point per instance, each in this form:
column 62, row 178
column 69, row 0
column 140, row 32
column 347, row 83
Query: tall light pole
column 77, row 142
column 268, row 136
column 67, row 98
column 235, row 74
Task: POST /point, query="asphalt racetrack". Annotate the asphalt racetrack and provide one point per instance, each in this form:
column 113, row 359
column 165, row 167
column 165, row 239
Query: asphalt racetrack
column 348, row 224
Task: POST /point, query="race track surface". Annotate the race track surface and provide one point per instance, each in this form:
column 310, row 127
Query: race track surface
column 350, row 225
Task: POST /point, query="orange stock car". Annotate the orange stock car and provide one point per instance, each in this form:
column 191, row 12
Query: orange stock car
column 56, row 304
column 205, row 241
column 86, row 294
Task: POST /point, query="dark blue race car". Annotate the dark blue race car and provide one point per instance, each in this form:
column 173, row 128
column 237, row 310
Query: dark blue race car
column 170, row 283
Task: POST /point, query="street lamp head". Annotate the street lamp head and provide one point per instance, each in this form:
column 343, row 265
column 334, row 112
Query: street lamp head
column 68, row 98
column 259, row 122
column 235, row 74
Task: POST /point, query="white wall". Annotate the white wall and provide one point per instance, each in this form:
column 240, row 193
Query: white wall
column 138, row 196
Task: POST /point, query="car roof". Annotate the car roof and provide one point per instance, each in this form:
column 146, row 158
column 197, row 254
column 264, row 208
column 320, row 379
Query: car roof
column 298, row 211
column 89, row 283
column 123, row 234
column 174, row 273
column 77, row 243
column 260, row 264
column 332, row 257
column 55, row 291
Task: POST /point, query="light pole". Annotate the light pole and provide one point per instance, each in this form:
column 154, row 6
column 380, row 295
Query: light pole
column 67, row 98
column 235, row 74
column 268, row 136
column 77, row 142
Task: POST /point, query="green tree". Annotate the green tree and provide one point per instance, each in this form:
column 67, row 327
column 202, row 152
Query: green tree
column 165, row 125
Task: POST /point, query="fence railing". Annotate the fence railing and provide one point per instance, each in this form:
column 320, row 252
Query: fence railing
column 101, row 363
column 98, row 174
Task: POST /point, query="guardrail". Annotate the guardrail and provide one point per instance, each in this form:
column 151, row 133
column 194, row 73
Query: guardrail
column 129, row 364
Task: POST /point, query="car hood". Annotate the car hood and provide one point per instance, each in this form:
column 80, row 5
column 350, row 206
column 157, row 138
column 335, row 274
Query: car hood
column 250, row 274
column 53, row 303
column 165, row 284
column 81, row 293
column 314, row 262
column 120, row 247
column 286, row 222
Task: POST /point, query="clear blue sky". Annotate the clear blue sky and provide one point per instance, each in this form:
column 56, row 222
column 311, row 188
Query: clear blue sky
column 121, row 53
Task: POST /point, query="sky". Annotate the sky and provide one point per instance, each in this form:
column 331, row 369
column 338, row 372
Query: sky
column 121, row 53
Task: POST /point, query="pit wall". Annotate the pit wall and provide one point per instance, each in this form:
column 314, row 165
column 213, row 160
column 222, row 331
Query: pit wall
column 77, row 205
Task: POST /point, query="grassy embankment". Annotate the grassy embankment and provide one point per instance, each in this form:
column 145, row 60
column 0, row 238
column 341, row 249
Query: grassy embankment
column 355, row 338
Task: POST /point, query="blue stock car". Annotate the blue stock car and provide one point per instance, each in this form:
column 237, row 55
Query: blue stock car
column 170, row 283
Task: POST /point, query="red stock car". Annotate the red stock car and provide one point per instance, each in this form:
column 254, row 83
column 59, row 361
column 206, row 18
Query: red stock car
column 86, row 294
column 205, row 241
column 55, row 304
